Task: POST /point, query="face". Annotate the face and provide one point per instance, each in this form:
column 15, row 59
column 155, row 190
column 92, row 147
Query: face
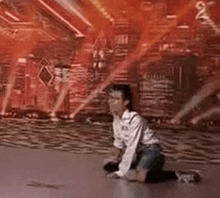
column 117, row 104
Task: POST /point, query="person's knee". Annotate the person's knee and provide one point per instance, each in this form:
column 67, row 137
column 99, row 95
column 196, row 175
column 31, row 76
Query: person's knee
column 141, row 174
column 131, row 175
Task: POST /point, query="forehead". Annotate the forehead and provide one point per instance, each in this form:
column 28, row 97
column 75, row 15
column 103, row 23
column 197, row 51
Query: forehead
column 116, row 93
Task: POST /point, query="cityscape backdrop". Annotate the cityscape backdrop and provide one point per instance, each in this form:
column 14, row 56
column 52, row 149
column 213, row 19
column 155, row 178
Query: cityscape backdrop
column 54, row 54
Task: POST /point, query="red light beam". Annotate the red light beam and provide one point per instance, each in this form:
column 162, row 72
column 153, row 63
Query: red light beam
column 143, row 46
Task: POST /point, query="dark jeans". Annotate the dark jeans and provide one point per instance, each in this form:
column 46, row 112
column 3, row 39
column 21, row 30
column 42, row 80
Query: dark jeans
column 149, row 158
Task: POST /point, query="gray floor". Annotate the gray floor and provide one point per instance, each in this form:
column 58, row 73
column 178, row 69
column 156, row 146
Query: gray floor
column 45, row 173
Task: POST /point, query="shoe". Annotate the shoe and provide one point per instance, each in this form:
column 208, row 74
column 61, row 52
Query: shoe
column 111, row 167
column 188, row 177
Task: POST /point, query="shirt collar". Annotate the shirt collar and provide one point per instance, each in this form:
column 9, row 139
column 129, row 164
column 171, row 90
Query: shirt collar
column 125, row 115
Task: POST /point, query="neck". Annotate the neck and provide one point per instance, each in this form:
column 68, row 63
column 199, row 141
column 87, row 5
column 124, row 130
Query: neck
column 119, row 114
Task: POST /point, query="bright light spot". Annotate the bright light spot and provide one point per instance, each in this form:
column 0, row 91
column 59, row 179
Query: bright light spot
column 112, row 20
column 31, row 55
column 99, row 6
column 105, row 13
column 183, row 27
column 22, row 60
column 171, row 16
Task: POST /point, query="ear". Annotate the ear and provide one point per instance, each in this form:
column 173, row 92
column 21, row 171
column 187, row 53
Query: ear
column 126, row 102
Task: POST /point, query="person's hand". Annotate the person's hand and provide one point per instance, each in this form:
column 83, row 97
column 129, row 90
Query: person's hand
column 113, row 175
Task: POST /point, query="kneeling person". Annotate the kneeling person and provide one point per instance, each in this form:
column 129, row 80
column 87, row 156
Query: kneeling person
column 137, row 154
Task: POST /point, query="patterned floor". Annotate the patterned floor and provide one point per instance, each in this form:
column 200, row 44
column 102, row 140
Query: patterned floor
column 194, row 146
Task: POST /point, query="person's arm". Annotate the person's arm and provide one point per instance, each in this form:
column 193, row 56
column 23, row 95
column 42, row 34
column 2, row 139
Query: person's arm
column 114, row 157
column 117, row 150
column 117, row 153
column 136, row 128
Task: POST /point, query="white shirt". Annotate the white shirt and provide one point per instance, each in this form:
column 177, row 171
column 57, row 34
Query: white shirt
column 130, row 131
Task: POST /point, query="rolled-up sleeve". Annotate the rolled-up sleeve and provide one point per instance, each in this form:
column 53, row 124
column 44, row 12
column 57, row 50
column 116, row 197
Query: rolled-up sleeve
column 136, row 127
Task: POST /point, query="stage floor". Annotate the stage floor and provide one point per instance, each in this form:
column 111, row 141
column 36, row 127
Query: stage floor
column 47, row 173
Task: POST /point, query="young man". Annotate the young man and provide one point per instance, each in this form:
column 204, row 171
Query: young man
column 137, row 153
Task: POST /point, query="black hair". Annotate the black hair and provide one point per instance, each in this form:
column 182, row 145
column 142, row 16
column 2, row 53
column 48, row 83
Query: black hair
column 125, row 89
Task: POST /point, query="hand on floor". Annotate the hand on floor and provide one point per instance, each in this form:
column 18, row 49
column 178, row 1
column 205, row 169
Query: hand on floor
column 113, row 175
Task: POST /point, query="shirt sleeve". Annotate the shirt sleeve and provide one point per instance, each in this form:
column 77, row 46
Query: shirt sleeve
column 136, row 127
column 118, row 143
